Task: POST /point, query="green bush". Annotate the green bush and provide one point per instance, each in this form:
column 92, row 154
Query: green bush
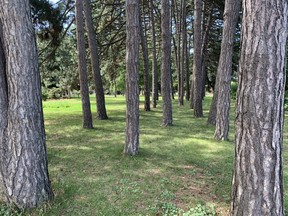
column 44, row 94
column 54, row 93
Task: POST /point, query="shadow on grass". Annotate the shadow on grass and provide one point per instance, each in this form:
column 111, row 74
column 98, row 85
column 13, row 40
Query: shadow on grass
column 182, row 164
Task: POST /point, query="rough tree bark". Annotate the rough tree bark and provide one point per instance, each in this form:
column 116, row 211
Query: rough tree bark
column 146, row 66
column 257, row 179
column 100, row 98
column 154, row 60
column 23, row 158
column 231, row 16
column 81, row 54
column 132, row 77
column 197, row 60
column 166, row 64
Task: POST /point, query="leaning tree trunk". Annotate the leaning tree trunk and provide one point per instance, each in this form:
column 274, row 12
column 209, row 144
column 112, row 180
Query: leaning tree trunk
column 154, row 60
column 197, row 61
column 84, row 89
column 23, row 158
column 166, row 64
column 231, row 15
column 132, row 77
column 146, row 66
column 258, row 173
column 100, row 98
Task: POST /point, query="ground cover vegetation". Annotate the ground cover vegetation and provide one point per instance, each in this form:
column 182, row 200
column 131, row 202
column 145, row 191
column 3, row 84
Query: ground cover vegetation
column 177, row 168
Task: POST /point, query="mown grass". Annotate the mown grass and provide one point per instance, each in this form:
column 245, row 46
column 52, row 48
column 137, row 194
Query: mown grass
column 178, row 167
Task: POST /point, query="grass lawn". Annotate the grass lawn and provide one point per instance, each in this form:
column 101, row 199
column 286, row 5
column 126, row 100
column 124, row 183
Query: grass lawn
column 178, row 167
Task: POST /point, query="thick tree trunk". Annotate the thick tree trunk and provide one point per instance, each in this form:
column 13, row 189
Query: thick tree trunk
column 231, row 15
column 197, row 61
column 3, row 107
column 132, row 77
column 154, row 60
column 100, row 98
column 23, row 158
column 146, row 67
column 166, row 64
column 84, row 89
column 258, row 175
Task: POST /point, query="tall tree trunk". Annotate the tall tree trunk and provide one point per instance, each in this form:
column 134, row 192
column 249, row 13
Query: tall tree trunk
column 100, row 98
column 166, row 64
column 175, row 14
column 154, row 59
column 132, row 77
column 213, row 106
column 81, row 53
column 231, row 16
column 146, row 66
column 258, row 175
column 197, row 60
column 183, row 54
column 187, row 76
column 24, row 166
column 206, row 30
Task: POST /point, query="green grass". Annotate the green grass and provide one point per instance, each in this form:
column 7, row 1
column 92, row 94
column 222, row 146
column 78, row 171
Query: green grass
column 177, row 167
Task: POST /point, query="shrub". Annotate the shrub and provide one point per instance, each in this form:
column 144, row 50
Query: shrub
column 54, row 93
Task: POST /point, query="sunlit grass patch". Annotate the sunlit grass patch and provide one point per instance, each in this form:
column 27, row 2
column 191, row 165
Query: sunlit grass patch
column 178, row 168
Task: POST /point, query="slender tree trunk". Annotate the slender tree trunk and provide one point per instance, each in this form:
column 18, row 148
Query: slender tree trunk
column 192, row 93
column 231, row 16
column 166, row 64
column 132, row 77
column 23, row 158
column 258, row 173
column 100, row 98
column 197, row 61
column 115, row 87
column 84, row 89
column 206, row 30
column 213, row 106
column 188, row 47
column 177, row 42
column 154, row 59
column 183, row 55
column 146, row 66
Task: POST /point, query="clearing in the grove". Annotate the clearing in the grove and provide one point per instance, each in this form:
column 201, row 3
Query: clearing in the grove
column 178, row 168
